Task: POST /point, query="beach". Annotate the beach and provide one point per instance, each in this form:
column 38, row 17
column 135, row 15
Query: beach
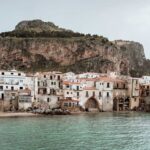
column 17, row 114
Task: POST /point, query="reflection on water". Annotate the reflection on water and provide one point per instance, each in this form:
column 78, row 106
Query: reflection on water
column 101, row 131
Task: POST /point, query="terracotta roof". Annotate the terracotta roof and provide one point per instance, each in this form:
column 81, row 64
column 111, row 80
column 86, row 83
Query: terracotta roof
column 89, row 79
column 108, row 79
column 70, row 83
column 89, row 88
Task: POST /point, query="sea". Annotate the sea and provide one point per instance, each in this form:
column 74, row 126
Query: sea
column 90, row 131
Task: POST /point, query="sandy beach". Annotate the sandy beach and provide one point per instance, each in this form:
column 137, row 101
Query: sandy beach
column 17, row 114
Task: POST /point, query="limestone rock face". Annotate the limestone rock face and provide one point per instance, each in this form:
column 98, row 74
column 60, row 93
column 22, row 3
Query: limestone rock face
column 78, row 54
column 37, row 26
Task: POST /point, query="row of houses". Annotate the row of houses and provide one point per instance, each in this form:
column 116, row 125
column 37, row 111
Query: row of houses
column 86, row 91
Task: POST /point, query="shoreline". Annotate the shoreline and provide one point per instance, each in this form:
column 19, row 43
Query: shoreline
column 27, row 114
column 17, row 114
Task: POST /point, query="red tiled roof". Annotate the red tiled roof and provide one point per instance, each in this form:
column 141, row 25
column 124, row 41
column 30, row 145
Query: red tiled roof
column 89, row 88
column 70, row 83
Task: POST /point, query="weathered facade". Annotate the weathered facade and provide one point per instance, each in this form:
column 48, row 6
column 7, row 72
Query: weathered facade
column 86, row 91
column 49, row 88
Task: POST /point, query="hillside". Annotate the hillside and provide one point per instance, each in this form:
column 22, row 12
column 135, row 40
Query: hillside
column 40, row 46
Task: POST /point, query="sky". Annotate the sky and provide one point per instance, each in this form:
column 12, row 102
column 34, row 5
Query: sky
column 114, row 19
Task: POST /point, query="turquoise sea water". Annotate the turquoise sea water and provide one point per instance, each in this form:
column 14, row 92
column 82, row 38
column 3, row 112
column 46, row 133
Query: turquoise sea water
column 103, row 131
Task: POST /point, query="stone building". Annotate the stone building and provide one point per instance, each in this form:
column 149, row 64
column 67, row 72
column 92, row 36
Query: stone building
column 145, row 96
column 134, row 92
column 92, row 92
column 121, row 100
column 25, row 99
column 10, row 102
column 49, row 88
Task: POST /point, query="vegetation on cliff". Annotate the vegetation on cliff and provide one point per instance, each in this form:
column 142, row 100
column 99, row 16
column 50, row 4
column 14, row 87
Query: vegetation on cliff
column 42, row 46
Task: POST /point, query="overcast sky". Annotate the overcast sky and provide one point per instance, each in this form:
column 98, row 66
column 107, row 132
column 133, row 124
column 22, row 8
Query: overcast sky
column 114, row 19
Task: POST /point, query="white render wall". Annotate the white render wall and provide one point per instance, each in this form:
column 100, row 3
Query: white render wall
column 11, row 79
column 107, row 101
column 83, row 98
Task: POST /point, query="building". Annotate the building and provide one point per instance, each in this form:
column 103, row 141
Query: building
column 25, row 99
column 10, row 101
column 121, row 100
column 10, row 83
column 49, row 88
column 92, row 92
column 87, row 91
column 134, row 93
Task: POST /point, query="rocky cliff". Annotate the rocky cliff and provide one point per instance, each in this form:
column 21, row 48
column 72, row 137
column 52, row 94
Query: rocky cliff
column 40, row 46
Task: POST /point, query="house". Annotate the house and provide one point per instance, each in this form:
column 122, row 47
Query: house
column 11, row 80
column 49, row 88
column 145, row 96
column 10, row 83
column 92, row 92
column 105, row 86
column 10, row 102
column 25, row 99
column 120, row 95
column 70, row 104
column 134, row 92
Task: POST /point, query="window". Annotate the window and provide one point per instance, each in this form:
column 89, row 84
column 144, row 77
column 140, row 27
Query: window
column 100, row 94
column 108, row 85
column 69, row 104
column 67, row 92
column 77, row 88
column 12, row 73
column 12, row 88
column 107, row 94
column 67, row 86
column 1, row 87
column 117, row 85
column 38, row 83
column 51, row 83
column 19, row 74
column 21, row 88
column 134, row 99
column 87, row 94
column 58, row 99
column 66, row 104
column 124, row 86
column 58, row 77
column 93, row 93
column 48, row 100
column 6, row 87
column 44, row 76
column 77, row 93
column 51, row 77
column 2, row 96
column 54, row 83
column 3, row 73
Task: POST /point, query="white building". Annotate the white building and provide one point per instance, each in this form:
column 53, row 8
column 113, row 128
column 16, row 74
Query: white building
column 92, row 92
column 11, row 80
column 145, row 80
